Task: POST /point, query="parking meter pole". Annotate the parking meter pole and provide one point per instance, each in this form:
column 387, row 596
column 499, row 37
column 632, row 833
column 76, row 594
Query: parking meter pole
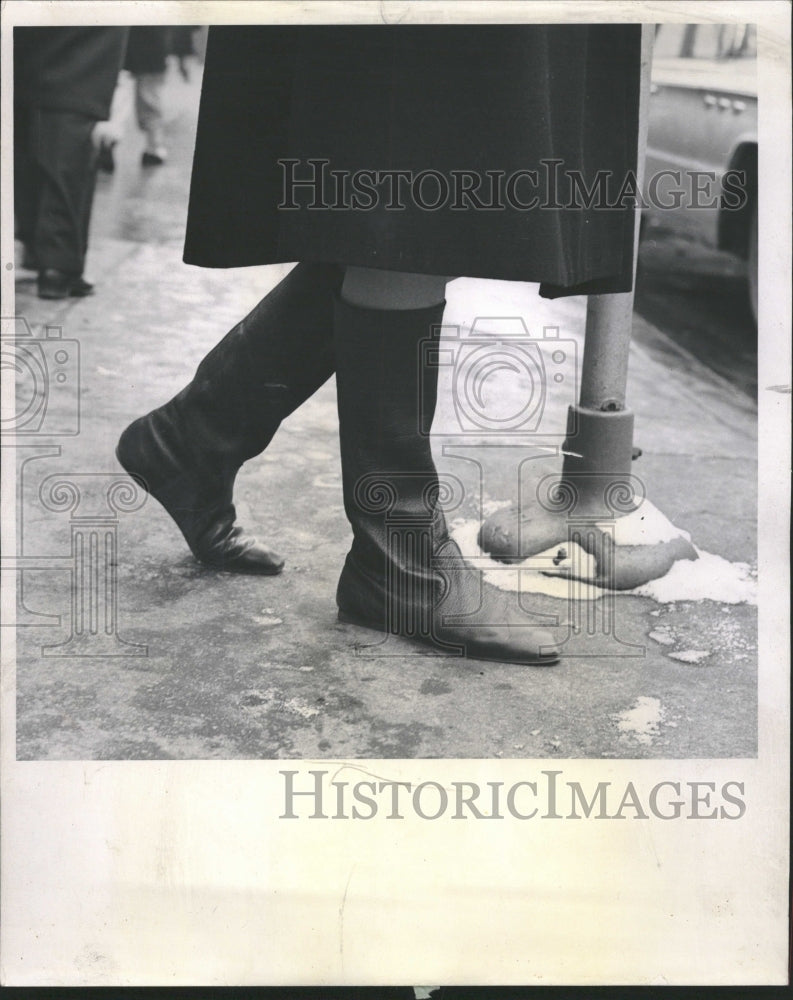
column 604, row 370
column 599, row 443
column 598, row 448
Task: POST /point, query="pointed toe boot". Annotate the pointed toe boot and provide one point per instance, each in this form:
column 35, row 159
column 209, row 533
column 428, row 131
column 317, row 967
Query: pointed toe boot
column 187, row 453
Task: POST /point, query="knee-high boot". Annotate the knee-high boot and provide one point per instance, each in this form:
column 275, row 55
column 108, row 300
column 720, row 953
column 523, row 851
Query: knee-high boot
column 404, row 574
column 187, row 452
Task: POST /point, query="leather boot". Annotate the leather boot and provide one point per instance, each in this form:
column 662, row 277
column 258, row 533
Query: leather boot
column 404, row 574
column 187, row 452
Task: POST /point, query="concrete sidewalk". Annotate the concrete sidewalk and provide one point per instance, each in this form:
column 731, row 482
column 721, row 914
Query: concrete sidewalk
column 238, row 667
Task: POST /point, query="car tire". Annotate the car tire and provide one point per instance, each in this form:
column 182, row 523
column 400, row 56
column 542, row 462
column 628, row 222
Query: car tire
column 751, row 263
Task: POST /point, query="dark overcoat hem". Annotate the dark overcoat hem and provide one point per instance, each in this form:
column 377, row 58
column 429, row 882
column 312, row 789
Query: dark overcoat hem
column 418, row 97
column 597, row 284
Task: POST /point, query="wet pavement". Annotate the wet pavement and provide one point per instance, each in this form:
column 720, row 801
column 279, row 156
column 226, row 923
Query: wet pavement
column 233, row 667
column 149, row 204
column 696, row 297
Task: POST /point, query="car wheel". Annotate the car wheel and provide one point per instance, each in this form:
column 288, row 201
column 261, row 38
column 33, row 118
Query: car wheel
column 751, row 263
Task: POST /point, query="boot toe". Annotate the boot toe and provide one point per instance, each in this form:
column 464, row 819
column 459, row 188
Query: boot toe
column 198, row 502
column 542, row 650
column 514, row 644
column 255, row 560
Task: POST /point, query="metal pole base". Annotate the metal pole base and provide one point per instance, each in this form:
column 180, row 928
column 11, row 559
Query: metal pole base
column 579, row 511
column 598, row 450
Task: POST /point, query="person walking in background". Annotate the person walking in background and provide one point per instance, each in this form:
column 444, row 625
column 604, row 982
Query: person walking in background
column 146, row 70
column 146, row 60
column 64, row 79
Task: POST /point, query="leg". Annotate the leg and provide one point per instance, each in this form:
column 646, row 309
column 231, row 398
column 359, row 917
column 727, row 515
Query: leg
column 371, row 289
column 65, row 158
column 148, row 109
column 187, row 453
column 88, row 201
column 403, row 573
column 26, row 185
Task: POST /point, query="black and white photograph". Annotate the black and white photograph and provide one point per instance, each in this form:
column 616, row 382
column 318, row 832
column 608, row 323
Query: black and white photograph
column 352, row 481
column 396, row 420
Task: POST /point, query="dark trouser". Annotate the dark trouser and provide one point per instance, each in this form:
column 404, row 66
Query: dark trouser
column 54, row 177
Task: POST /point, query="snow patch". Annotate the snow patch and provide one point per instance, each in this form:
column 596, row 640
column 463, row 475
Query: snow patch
column 707, row 578
column 268, row 618
column 690, row 655
column 269, row 700
column 490, row 507
column 297, row 707
column 640, row 723
column 527, row 577
column 710, row 577
column 662, row 636
column 644, row 526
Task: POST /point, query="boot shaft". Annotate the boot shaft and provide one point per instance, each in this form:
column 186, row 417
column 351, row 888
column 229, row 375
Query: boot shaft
column 264, row 368
column 386, row 400
column 386, row 394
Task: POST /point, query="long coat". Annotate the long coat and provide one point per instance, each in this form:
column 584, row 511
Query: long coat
column 486, row 100
column 67, row 68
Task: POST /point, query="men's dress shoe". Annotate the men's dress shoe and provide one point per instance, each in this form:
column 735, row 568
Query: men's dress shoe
column 154, row 157
column 81, row 288
column 56, row 284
